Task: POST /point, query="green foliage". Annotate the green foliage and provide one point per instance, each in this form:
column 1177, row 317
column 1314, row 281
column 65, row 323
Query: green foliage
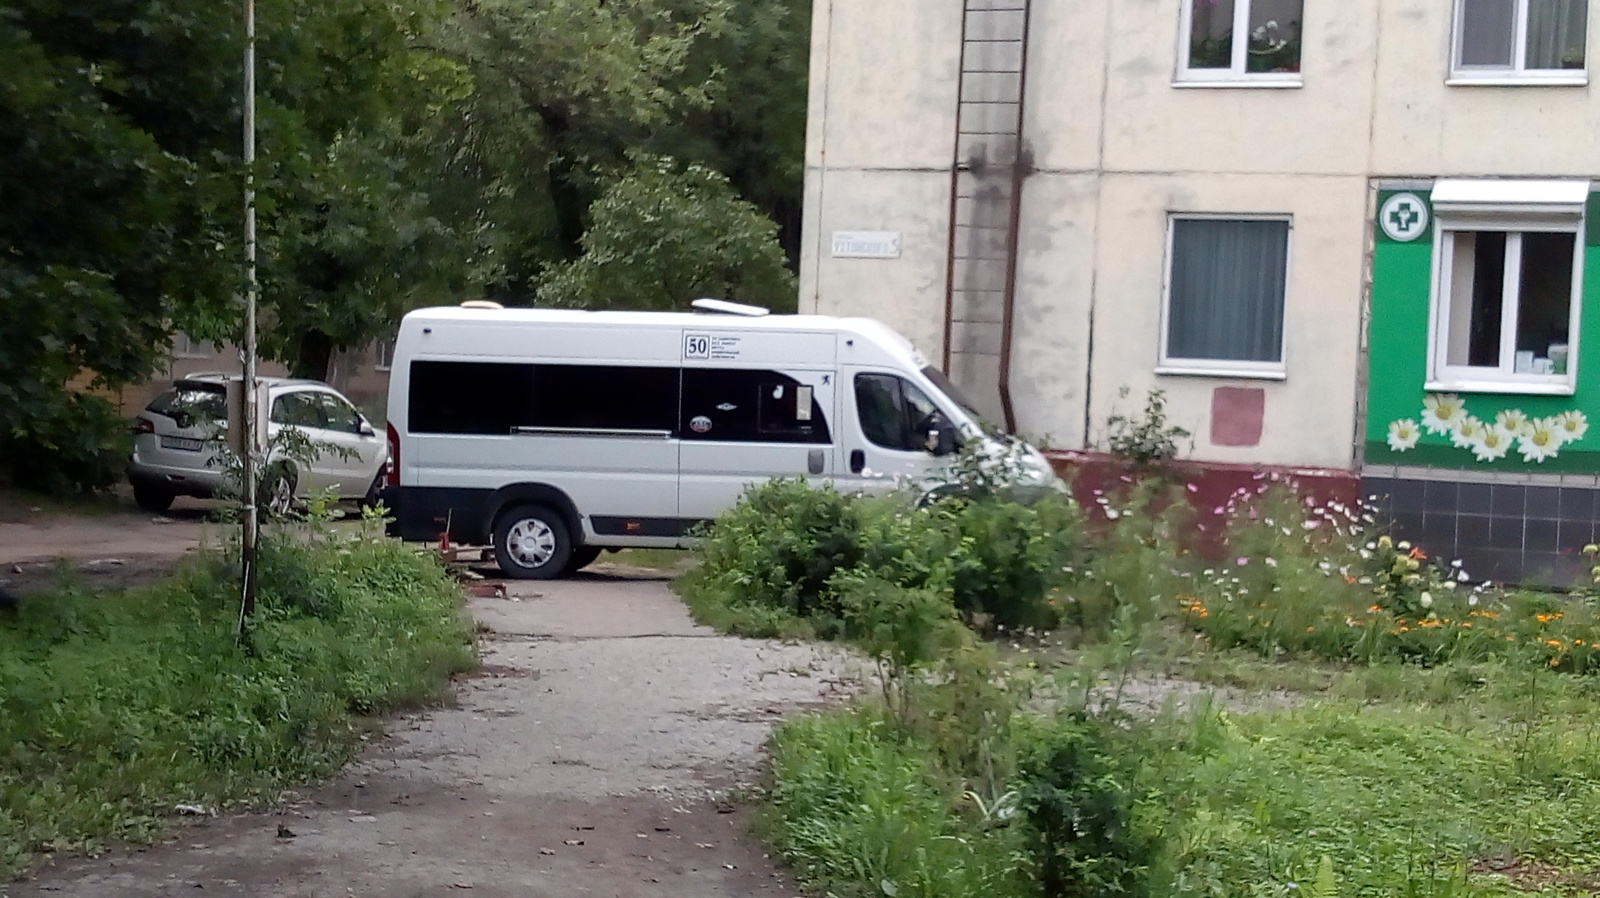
column 1079, row 808
column 1315, row 580
column 858, row 811
column 777, row 562
column 1145, row 439
column 115, row 707
column 901, row 629
column 661, row 236
column 1009, row 560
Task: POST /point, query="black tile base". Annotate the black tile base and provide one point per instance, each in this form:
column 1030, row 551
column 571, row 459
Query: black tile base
column 1511, row 533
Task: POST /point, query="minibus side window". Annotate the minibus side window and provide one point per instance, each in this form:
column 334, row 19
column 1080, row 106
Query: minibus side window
column 896, row 414
column 489, row 398
column 881, row 409
column 750, row 406
column 605, row 397
column 497, row 398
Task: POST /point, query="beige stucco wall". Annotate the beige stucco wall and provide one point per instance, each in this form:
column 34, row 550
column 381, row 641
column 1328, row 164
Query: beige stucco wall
column 884, row 77
column 1424, row 127
column 1116, row 148
column 1310, row 414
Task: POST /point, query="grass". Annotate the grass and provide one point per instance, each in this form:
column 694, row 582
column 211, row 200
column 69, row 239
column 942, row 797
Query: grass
column 1386, row 728
column 114, row 708
column 673, row 561
column 1452, row 781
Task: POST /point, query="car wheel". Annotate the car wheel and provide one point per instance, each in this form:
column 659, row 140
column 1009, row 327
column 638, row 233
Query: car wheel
column 582, row 557
column 375, row 491
column 152, row 498
column 277, row 492
column 531, row 543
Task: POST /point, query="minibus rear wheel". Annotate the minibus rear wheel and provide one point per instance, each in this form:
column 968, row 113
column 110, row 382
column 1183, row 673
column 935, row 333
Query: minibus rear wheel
column 531, row 542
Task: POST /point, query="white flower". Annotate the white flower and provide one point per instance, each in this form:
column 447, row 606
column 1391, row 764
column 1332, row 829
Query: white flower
column 1495, row 443
column 1540, row 441
column 1467, row 431
column 1572, row 425
column 1442, row 412
column 1513, row 421
column 1473, row 600
column 1403, row 435
column 1427, row 600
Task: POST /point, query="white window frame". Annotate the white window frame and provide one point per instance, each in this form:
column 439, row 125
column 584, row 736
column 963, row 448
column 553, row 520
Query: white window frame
column 1235, row 75
column 1461, row 212
column 1171, row 365
column 381, row 360
column 1517, row 74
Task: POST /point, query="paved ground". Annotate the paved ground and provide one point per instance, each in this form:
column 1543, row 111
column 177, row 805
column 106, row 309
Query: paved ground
column 600, row 752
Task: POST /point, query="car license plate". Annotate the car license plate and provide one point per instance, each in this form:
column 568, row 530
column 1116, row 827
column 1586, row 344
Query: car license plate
column 185, row 443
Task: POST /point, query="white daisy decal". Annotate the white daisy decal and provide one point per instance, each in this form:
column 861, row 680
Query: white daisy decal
column 1468, row 431
column 1513, row 421
column 1540, row 441
column 1442, row 412
column 1572, row 425
column 1494, row 442
column 1403, row 435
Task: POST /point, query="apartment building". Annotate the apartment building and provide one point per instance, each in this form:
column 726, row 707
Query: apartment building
column 1348, row 238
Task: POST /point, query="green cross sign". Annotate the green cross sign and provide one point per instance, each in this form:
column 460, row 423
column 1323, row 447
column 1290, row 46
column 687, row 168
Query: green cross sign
column 1404, row 216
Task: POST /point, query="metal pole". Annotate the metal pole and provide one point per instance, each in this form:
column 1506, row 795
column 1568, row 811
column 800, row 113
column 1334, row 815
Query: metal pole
column 252, row 524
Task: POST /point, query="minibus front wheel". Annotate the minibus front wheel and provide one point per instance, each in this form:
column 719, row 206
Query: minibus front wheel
column 531, row 542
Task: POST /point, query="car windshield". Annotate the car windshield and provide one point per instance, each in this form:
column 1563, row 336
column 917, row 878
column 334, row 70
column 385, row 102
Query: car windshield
column 192, row 402
column 954, row 393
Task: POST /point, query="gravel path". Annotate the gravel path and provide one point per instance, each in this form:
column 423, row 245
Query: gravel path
column 600, row 751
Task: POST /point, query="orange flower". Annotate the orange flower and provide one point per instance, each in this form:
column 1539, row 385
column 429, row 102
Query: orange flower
column 1417, row 553
column 1374, row 609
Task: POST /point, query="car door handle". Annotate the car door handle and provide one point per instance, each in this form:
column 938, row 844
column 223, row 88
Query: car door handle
column 858, row 461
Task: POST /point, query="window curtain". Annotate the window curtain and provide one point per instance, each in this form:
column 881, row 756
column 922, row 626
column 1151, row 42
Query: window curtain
column 1488, row 28
column 1556, row 33
column 1227, row 290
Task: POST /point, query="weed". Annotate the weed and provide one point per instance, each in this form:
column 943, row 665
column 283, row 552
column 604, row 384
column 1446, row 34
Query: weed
column 1145, row 439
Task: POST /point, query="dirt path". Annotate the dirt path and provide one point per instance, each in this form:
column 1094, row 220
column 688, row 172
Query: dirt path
column 112, row 549
column 598, row 753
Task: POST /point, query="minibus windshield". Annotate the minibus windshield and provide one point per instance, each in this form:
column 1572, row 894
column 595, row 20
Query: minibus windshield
column 954, row 393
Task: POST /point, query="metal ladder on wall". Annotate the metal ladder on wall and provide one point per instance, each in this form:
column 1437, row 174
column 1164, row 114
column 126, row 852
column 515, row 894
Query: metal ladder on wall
column 985, row 200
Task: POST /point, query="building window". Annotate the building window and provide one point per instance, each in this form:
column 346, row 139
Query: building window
column 1226, row 279
column 1508, row 268
column 1539, row 41
column 185, row 347
column 1240, row 41
column 383, row 355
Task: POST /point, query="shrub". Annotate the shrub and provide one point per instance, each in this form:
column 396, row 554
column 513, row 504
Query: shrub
column 774, row 564
column 1007, row 558
column 1079, row 809
column 901, row 629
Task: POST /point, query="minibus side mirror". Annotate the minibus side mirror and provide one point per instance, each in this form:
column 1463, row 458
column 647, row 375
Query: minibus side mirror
column 942, row 439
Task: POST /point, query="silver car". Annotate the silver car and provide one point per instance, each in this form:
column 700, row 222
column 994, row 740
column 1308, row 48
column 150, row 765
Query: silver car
column 177, row 447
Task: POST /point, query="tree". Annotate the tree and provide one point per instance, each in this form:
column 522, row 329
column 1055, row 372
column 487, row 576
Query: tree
column 108, row 216
column 663, row 235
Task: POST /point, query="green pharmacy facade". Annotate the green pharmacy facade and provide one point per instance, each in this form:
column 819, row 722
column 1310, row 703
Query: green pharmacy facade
column 1483, row 371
